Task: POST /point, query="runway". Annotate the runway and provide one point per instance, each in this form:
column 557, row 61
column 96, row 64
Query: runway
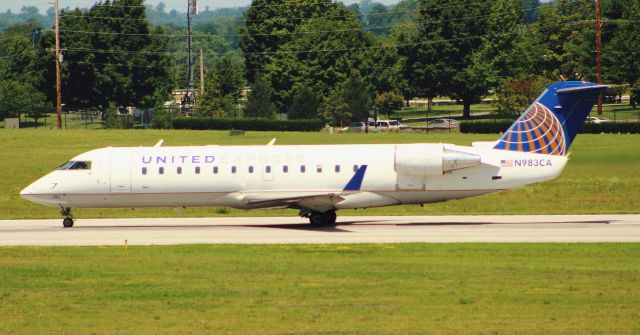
column 358, row 229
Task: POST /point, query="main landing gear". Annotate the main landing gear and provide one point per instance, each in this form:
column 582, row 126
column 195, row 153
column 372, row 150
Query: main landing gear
column 318, row 219
column 67, row 222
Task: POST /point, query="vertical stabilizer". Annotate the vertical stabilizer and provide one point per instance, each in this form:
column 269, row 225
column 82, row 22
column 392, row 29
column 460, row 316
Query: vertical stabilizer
column 552, row 121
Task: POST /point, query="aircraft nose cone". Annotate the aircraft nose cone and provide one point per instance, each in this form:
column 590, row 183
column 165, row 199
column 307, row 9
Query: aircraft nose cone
column 40, row 192
column 28, row 192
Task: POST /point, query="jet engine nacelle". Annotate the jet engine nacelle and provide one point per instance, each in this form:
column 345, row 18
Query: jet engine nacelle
column 431, row 159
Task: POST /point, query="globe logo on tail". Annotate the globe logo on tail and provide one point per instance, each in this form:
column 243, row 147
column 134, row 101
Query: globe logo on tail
column 538, row 130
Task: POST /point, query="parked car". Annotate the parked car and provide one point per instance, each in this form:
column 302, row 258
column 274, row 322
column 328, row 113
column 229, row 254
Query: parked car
column 593, row 119
column 389, row 125
column 443, row 124
column 374, row 126
column 356, row 127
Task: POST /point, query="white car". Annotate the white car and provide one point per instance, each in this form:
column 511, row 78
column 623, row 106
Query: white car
column 389, row 125
column 593, row 119
column 443, row 124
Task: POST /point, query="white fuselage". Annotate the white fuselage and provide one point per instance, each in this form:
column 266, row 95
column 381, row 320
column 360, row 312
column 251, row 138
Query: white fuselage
column 311, row 177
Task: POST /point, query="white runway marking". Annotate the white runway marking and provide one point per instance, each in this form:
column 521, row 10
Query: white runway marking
column 356, row 229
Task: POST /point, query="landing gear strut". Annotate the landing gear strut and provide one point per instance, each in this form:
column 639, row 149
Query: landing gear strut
column 67, row 222
column 327, row 218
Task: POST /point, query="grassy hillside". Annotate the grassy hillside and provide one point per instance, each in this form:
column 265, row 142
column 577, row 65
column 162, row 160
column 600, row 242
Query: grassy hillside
column 602, row 177
column 322, row 289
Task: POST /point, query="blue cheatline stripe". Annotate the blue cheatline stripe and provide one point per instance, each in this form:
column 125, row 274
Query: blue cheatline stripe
column 356, row 181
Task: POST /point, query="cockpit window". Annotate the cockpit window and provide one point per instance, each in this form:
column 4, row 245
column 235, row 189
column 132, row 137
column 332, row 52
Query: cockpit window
column 66, row 165
column 76, row 165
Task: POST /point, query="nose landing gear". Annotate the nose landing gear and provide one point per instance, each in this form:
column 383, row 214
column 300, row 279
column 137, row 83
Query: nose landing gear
column 67, row 222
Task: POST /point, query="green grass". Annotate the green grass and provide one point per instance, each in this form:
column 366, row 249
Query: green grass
column 322, row 289
column 619, row 113
column 602, row 177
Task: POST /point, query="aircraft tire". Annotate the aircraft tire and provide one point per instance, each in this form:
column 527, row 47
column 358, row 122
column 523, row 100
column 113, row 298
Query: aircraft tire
column 67, row 222
column 329, row 218
column 316, row 219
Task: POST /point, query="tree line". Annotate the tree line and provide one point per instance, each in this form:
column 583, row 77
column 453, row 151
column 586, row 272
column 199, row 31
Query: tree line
column 310, row 59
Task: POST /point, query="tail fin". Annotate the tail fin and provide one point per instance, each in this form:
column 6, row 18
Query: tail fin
column 552, row 121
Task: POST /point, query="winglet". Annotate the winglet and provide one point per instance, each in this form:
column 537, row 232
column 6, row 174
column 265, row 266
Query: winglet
column 356, row 181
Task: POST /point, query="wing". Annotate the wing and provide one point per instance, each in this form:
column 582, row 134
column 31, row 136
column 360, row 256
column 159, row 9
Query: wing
column 319, row 202
column 314, row 201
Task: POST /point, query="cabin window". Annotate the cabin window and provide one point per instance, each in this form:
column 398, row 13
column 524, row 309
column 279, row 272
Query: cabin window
column 303, row 168
column 233, row 169
column 215, row 170
column 285, row 169
column 160, row 170
column 319, row 168
column 144, row 170
column 179, row 170
column 355, row 168
column 251, row 169
column 337, row 168
column 267, row 169
column 197, row 170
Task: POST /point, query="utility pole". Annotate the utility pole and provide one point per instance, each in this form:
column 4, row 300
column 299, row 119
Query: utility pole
column 598, row 51
column 58, row 81
column 201, row 74
column 191, row 9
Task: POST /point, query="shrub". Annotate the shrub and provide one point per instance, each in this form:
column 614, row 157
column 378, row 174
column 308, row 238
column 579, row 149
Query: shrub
column 202, row 123
column 485, row 127
column 611, row 128
column 499, row 126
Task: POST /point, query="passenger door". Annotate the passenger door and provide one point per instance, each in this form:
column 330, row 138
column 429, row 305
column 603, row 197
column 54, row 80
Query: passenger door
column 120, row 171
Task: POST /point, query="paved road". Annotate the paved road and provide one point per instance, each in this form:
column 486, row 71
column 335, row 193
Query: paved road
column 378, row 229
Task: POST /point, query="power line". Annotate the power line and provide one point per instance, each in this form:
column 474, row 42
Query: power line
column 360, row 28
column 390, row 46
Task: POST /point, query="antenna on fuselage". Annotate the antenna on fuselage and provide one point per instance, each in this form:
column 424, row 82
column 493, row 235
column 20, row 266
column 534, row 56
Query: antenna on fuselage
column 159, row 144
column 272, row 142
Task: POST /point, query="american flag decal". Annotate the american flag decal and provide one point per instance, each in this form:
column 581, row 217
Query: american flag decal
column 506, row 162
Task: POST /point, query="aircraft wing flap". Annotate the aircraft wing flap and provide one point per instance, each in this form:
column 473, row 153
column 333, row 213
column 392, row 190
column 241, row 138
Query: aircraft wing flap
column 318, row 202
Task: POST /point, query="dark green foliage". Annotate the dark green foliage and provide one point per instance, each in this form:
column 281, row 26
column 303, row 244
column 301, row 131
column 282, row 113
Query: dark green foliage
column 350, row 101
column 503, row 53
column 110, row 117
column 634, row 97
column 516, row 94
column 133, row 72
column 441, row 56
column 485, row 127
column 562, row 42
column 259, row 102
column 305, row 104
column 18, row 97
column 246, row 124
column 623, row 53
column 163, row 116
column 271, row 24
column 611, row 128
column 387, row 103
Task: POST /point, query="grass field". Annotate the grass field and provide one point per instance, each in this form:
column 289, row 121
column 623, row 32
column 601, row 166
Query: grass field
column 603, row 175
column 322, row 289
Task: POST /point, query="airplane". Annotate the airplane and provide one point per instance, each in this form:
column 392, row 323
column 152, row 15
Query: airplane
column 318, row 180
